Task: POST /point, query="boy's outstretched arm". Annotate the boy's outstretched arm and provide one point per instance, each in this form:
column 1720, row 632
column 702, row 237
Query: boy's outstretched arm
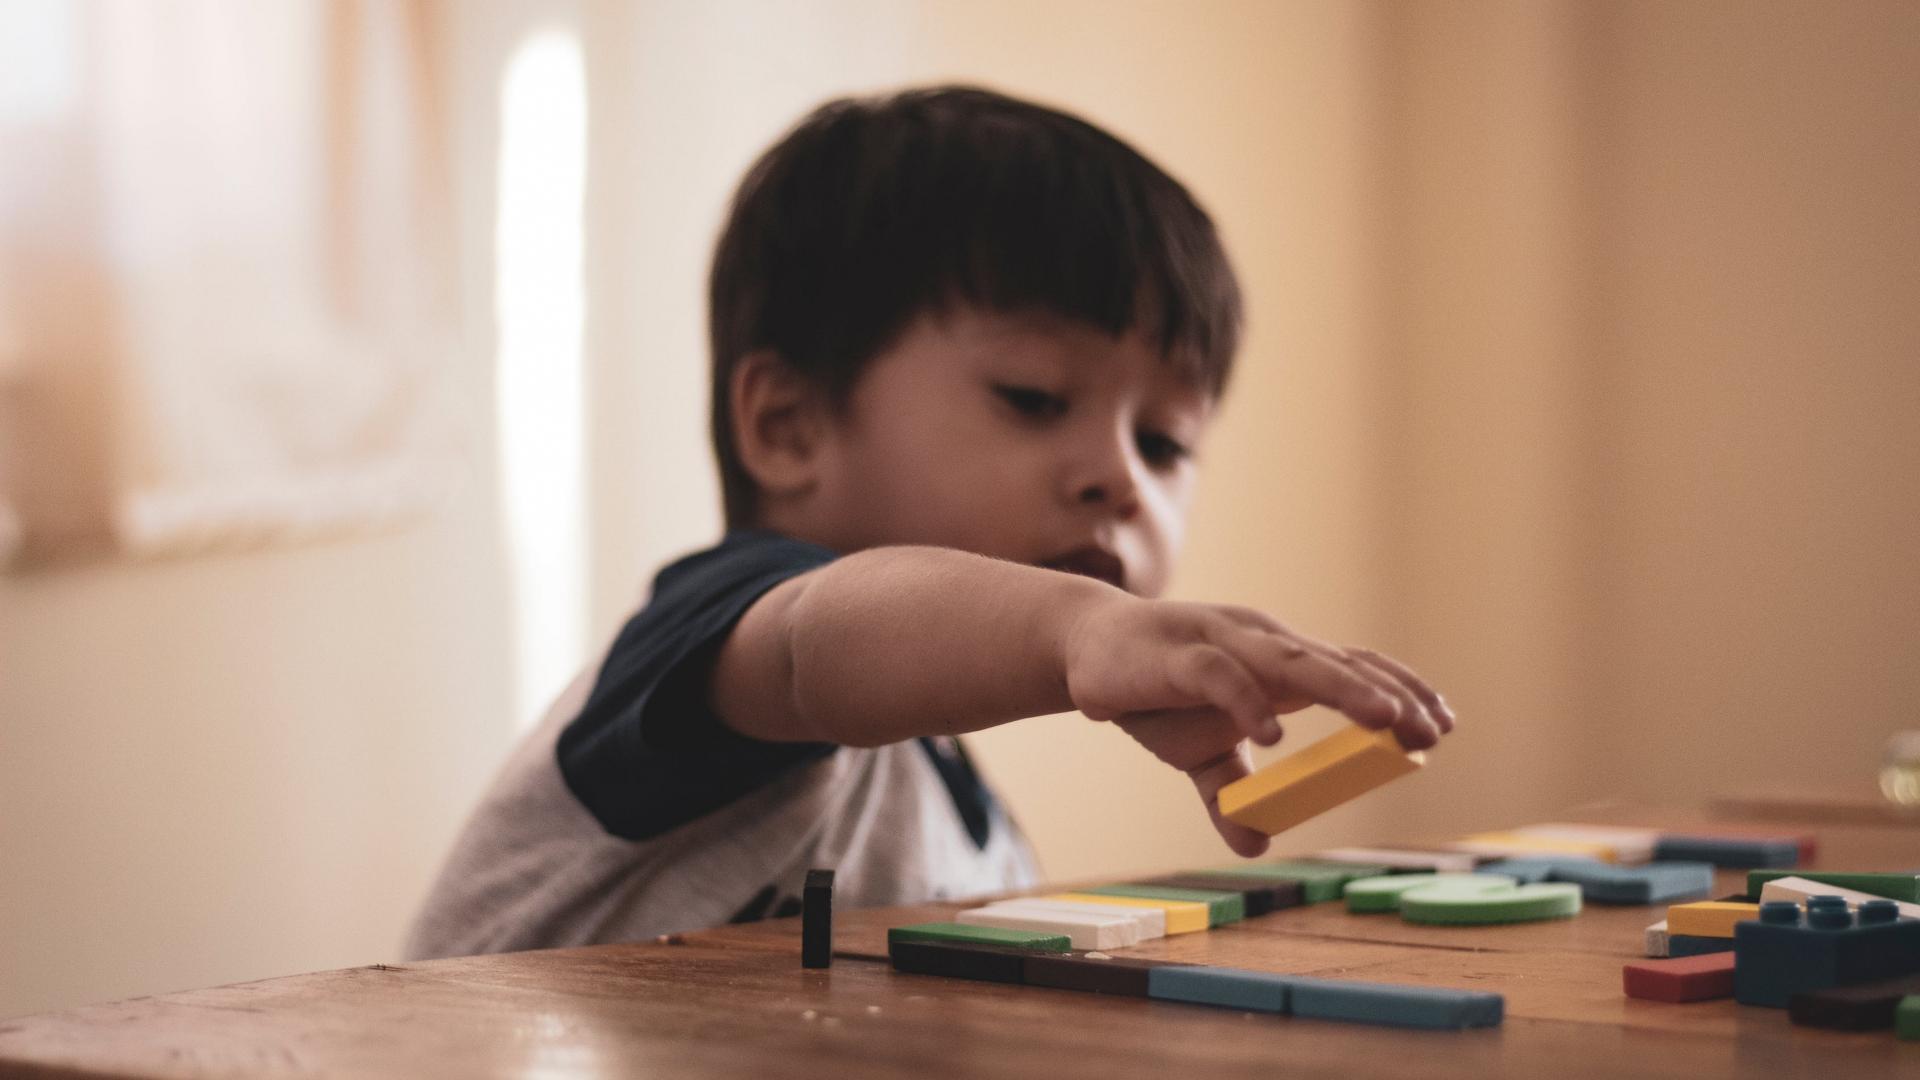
column 892, row 643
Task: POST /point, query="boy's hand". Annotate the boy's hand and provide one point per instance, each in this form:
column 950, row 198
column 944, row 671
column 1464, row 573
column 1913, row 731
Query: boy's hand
column 1192, row 681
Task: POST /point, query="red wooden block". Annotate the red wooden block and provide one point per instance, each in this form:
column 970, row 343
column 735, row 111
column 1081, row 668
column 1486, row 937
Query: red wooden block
column 1686, row 978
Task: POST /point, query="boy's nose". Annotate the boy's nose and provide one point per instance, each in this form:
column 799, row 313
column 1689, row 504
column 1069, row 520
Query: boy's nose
column 1109, row 485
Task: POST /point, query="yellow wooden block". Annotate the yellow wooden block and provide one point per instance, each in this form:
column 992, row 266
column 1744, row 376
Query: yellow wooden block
column 1709, row 918
column 1346, row 764
column 1521, row 845
column 1183, row 916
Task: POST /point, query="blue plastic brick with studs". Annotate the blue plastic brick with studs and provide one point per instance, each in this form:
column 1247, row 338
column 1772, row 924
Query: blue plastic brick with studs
column 1787, row 952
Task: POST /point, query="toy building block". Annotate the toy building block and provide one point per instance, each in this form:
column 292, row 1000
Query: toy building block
column 1687, row 978
column 1689, row 945
column 1183, row 917
column 1095, row 973
column 1083, row 931
column 1629, row 845
column 1736, row 851
column 1233, row 988
column 1862, row 1007
column 1222, row 907
column 1382, row 894
column 1492, row 900
column 1657, row 944
column 1319, row 882
column 959, row 961
column 1342, row 766
column 1906, row 1017
column 1648, row 883
column 1709, row 918
column 1404, row 860
column 1395, row 1006
column 1799, row 890
column 1510, row 845
column 1149, row 922
column 1902, row 887
column 1531, row 871
column 1788, row 952
column 947, row 933
column 816, row 920
column 1258, row 897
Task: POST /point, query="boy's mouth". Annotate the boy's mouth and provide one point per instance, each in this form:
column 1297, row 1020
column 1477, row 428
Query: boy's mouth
column 1093, row 562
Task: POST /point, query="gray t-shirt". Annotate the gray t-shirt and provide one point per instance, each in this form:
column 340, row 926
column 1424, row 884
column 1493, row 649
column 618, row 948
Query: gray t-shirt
column 630, row 811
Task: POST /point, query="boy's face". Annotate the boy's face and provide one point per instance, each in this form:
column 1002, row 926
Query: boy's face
column 1030, row 438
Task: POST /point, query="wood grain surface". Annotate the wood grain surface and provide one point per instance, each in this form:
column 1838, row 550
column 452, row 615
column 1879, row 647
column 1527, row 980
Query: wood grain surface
column 735, row 1002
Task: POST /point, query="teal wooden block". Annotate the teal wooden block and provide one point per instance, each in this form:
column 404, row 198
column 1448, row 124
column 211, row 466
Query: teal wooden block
column 1232, row 988
column 1904, row 887
column 1396, row 1006
column 1648, row 883
column 1222, row 907
column 947, row 933
column 1679, row 945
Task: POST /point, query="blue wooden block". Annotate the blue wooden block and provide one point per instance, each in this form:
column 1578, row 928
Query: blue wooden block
column 1729, row 850
column 1396, row 1006
column 1650, row 883
column 1234, row 988
column 1693, row 945
column 1534, row 871
column 1788, row 951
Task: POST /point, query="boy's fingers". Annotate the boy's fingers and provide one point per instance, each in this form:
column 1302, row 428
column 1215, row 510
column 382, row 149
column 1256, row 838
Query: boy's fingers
column 1212, row 675
column 1415, row 729
column 1291, row 670
column 1208, row 779
column 1436, row 705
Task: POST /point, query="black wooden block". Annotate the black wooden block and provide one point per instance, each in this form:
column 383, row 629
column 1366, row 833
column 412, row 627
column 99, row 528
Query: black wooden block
column 816, row 920
column 986, row 963
column 1074, row 971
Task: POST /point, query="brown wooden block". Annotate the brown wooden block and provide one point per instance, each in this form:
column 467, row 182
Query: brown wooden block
column 1077, row 971
column 1862, row 1007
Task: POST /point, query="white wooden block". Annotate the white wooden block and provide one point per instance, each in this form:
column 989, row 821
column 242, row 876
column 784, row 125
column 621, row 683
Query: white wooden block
column 1657, row 940
column 1083, row 931
column 1797, row 889
column 1629, row 845
column 1151, row 921
column 1438, row 862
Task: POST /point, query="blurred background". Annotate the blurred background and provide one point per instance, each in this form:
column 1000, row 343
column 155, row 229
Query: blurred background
column 352, row 387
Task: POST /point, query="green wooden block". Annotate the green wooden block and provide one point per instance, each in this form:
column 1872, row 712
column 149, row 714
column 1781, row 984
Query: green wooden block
column 1319, row 881
column 946, row 933
column 1222, row 907
column 1904, row 887
column 1491, row 900
column 1382, row 894
column 1906, row 1017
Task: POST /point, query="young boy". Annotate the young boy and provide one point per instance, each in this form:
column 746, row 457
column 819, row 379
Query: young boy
column 964, row 350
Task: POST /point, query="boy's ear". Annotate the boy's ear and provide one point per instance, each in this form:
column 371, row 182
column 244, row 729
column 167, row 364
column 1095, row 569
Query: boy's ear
column 779, row 419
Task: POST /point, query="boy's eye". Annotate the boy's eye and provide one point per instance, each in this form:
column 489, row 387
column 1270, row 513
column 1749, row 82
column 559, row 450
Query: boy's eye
column 1161, row 451
column 1037, row 404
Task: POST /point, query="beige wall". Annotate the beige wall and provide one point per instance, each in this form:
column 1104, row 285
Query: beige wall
column 1581, row 375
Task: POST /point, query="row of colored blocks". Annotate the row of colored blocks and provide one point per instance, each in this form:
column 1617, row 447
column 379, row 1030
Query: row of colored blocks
column 1035, row 959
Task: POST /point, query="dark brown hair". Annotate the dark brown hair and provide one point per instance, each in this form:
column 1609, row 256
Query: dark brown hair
column 874, row 210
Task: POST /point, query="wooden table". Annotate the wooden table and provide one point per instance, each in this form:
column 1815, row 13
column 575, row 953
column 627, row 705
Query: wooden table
column 735, row 1002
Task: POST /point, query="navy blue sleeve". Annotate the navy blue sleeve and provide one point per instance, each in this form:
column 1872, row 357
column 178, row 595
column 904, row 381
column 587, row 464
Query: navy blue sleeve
column 647, row 754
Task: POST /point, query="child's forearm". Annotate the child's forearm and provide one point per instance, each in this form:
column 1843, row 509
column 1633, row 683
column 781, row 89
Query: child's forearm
column 892, row 643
